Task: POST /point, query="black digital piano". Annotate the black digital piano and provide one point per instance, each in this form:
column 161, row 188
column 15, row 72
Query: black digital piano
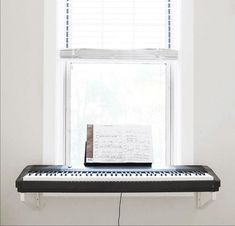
column 58, row 178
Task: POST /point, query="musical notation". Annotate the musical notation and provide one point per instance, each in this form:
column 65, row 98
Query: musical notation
column 117, row 143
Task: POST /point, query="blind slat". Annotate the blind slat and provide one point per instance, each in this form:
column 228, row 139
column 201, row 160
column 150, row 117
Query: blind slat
column 117, row 24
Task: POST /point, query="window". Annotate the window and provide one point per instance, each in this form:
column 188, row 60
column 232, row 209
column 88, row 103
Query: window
column 117, row 65
column 116, row 94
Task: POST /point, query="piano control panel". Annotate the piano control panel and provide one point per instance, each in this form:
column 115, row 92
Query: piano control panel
column 65, row 179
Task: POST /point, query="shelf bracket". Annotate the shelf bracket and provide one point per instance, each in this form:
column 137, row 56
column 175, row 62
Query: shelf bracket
column 38, row 200
column 22, row 197
column 205, row 198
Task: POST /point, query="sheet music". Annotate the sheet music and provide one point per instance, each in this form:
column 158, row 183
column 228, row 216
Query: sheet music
column 122, row 143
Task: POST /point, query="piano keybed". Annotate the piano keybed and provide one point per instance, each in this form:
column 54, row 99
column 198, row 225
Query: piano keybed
column 117, row 176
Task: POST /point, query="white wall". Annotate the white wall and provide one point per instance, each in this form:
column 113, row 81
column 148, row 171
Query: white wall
column 214, row 115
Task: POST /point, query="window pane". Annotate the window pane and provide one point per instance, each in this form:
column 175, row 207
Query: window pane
column 117, row 94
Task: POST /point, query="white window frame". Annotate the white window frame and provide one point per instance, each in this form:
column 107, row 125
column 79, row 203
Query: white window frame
column 54, row 91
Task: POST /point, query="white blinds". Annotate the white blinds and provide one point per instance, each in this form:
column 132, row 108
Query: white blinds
column 118, row 24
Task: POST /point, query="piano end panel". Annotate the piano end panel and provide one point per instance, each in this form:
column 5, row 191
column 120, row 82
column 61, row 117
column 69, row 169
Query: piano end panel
column 217, row 181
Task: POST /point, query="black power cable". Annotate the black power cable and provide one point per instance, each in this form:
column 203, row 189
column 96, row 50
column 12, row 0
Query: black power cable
column 119, row 208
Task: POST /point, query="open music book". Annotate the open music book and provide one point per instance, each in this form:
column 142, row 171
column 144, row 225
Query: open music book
column 118, row 144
